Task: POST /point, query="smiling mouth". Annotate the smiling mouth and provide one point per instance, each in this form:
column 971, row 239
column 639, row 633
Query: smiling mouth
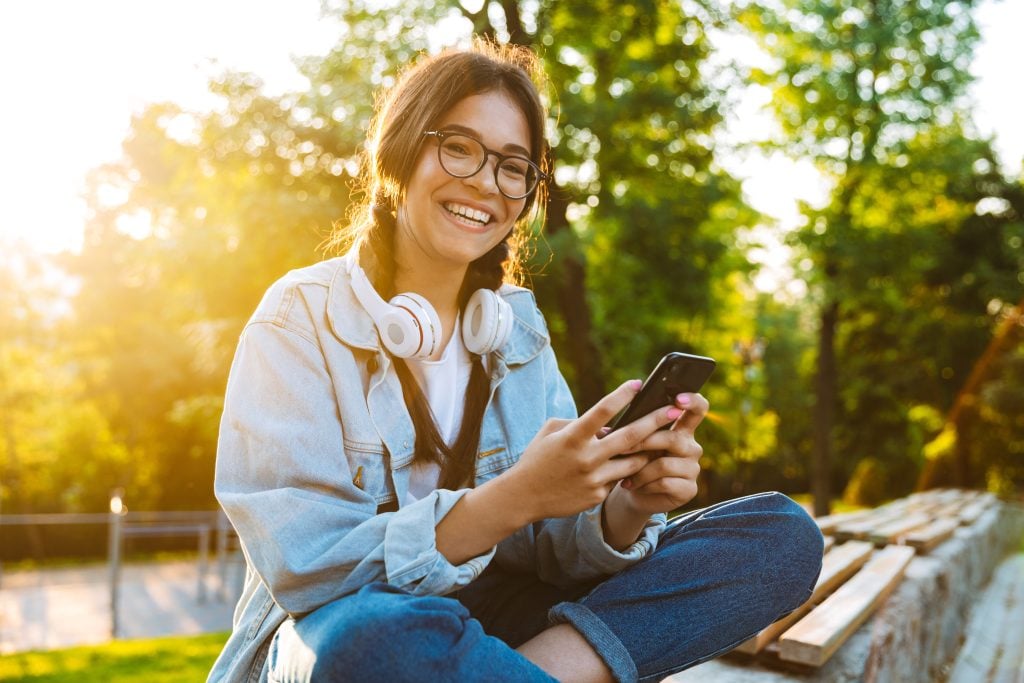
column 468, row 215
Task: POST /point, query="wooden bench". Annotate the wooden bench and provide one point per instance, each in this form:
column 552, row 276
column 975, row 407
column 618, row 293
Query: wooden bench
column 868, row 554
column 861, row 568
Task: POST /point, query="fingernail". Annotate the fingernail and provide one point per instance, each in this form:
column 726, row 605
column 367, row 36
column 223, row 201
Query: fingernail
column 635, row 384
column 683, row 400
column 673, row 413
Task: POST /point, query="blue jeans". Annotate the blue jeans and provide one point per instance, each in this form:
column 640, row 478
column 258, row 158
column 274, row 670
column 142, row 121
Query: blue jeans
column 717, row 577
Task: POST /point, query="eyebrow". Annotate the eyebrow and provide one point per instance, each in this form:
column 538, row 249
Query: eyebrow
column 511, row 147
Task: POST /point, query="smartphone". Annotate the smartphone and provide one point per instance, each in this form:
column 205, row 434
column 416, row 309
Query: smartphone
column 674, row 374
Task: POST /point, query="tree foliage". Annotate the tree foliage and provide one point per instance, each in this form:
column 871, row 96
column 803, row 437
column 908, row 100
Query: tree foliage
column 645, row 250
column 910, row 262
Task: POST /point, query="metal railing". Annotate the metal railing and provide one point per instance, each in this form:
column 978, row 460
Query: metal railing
column 124, row 524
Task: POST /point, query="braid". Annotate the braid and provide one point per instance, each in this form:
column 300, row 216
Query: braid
column 487, row 272
column 380, row 240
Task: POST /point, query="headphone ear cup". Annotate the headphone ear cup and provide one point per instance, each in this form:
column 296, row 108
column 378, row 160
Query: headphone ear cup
column 408, row 325
column 421, row 337
column 486, row 323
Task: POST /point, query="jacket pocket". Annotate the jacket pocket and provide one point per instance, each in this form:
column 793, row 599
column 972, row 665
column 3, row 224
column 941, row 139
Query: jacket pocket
column 368, row 469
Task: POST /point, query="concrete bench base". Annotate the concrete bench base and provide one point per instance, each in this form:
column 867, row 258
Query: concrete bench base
column 916, row 634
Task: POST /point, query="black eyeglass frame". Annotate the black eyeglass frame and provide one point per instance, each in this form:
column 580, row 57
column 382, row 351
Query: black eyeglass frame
column 442, row 134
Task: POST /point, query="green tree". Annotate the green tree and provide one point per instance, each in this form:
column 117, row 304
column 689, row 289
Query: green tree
column 941, row 258
column 855, row 82
column 655, row 216
column 57, row 453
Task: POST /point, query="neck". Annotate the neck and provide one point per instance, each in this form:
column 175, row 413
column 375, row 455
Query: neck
column 439, row 285
column 437, row 279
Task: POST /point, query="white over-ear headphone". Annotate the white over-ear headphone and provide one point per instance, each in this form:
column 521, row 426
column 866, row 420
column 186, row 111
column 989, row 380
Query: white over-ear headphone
column 409, row 327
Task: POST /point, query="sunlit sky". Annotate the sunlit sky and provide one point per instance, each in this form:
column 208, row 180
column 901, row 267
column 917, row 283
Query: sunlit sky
column 72, row 73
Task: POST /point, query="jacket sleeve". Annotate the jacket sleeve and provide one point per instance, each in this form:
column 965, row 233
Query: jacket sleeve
column 571, row 549
column 283, row 478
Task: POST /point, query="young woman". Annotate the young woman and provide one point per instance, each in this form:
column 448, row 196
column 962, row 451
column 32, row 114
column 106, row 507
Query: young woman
column 402, row 460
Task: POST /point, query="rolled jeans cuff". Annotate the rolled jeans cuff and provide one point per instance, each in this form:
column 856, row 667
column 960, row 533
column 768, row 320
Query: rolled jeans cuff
column 605, row 643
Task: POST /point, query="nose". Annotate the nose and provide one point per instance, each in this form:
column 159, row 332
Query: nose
column 486, row 179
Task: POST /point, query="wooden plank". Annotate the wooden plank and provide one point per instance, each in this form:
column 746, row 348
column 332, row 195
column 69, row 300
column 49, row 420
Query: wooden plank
column 950, row 510
column 861, row 528
column 829, row 542
column 927, row 537
column 839, row 564
column 928, row 501
column 976, row 508
column 829, row 522
column 891, row 532
column 954, row 495
column 951, row 498
column 817, row 636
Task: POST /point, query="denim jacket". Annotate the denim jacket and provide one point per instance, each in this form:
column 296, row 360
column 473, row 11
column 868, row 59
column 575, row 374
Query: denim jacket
column 315, row 453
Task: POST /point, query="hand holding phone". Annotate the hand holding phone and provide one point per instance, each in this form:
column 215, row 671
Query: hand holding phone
column 674, row 374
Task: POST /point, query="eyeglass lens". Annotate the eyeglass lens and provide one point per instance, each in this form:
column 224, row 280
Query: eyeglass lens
column 463, row 156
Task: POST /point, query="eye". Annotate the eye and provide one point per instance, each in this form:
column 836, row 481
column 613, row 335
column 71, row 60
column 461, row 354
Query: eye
column 515, row 168
column 456, row 147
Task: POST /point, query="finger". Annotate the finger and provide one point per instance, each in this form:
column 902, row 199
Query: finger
column 671, row 442
column 636, row 435
column 679, row 488
column 589, row 423
column 552, row 425
column 664, row 468
column 624, row 467
column 695, row 407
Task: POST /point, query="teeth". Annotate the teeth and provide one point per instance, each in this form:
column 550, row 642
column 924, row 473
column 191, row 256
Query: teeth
column 481, row 217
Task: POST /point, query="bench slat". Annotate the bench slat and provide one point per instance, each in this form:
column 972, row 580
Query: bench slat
column 838, row 565
column 828, row 523
column 891, row 532
column 927, row 537
column 816, row 637
column 970, row 513
column 862, row 527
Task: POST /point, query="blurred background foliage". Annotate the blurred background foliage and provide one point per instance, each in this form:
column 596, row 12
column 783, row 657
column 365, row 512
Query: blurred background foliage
column 901, row 365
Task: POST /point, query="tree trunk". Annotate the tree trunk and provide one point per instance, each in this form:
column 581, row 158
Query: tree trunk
column 963, row 413
column 824, row 410
column 962, row 450
column 571, row 293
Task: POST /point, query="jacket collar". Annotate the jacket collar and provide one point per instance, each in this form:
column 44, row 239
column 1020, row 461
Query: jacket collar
column 352, row 324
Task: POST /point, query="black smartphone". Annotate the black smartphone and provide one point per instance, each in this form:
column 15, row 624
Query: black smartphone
column 674, row 374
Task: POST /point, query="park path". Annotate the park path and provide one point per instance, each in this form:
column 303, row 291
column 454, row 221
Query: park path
column 57, row 608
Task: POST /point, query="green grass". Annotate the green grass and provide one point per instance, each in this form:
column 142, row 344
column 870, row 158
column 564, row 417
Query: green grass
column 158, row 660
column 29, row 564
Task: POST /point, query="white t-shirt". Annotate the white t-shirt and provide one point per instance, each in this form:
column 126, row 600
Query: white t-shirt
column 443, row 383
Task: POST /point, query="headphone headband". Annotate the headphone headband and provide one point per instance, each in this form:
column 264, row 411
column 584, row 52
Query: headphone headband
column 409, row 326
column 365, row 291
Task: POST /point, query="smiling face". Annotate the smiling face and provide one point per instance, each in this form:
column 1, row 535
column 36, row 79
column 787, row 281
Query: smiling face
column 444, row 222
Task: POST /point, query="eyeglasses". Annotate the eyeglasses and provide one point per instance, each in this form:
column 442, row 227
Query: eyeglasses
column 463, row 156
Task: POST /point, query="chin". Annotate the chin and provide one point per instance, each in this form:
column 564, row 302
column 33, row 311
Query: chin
column 465, row 252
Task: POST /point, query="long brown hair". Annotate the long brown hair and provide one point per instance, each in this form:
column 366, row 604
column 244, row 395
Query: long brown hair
column 422, row 95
